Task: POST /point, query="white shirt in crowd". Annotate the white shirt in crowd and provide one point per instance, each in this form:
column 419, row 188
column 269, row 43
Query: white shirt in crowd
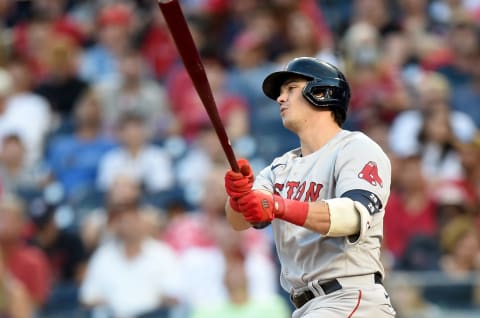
column 210, row 262
column 403, row 136
column 152, row 166
column 129, row 287
column 29, row 116
column 403, row 140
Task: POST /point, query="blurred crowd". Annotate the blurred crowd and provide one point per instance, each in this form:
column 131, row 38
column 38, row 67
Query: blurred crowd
column 111, row 174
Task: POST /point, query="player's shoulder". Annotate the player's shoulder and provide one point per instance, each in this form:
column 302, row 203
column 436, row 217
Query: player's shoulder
column 357, row 139
column 356, row 143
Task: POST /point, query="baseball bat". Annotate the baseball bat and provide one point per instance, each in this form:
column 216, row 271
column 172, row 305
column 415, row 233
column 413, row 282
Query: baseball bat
column 191, row 59
column 182, row 37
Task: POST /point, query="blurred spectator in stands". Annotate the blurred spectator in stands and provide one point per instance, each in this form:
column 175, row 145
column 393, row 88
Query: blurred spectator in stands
column 132, row 90
column 131, row 274
column 63, row 248
column 443, row 11
column 61, row 86
column 186, row 228
column 44, row 21
column 15, row 172
column 410, row 210
column 137, row 157
column 440, row 158
column 310, row 10
column 377, row 13
column 268, row 22
column 240, row 303
column 14, row 299
column 250, row 65
column 399, row 53
column 28, row 41
column 188, row 107
column 65, row 253
column 155, row 221
column 407, row 299
column 23, row 103
column 461, row 247
column 467, row 96
column 95, row 226
column 156, row 46
column 92, row 227
column 248, row 53
column 302, row 40
column 207, row 236
column 233, row 108
column 7, row 9
column 73, row 159
column 378, row 92
column 195, row 166
column 470, row 156
column 6, row 89
column 453, row 199
column 431, row 89
column 114, row 31
column 55, row 11
column 464, row 45
column 460, row 243
column 27, row 264
column 424, row 35
column 422, row 254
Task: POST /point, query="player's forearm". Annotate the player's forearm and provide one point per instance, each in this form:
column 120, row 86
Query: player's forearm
column 235, row 218
column 318, row 217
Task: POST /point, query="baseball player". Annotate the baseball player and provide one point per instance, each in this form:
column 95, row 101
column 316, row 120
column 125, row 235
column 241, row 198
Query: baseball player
column 325, row 200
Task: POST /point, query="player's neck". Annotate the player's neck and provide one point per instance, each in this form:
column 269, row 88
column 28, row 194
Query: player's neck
column 314, row 138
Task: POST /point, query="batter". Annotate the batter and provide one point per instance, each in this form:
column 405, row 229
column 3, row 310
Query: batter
column 325, row 200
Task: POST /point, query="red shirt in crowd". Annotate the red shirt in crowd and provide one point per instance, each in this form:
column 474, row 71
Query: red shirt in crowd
column 189, row 109
column 401, row 224
column 30, row 266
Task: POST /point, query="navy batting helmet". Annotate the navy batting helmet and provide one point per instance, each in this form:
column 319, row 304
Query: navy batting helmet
column 326, row 86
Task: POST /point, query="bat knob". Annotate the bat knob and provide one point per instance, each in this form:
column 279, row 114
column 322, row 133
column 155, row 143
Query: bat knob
column 260, row 225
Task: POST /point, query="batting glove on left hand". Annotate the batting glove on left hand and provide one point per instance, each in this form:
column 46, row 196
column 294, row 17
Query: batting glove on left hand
column 237, row 184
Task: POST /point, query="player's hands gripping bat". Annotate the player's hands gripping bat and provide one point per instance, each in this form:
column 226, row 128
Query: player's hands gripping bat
column 237, row 184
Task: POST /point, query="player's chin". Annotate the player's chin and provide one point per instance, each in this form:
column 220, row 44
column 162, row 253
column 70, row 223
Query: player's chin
column 288, row 123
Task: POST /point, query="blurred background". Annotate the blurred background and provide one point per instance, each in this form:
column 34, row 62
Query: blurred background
column 111, row 176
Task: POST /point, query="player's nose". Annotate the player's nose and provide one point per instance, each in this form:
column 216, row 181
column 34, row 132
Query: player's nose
column 282, row 98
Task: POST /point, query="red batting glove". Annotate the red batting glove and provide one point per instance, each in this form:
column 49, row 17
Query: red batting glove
column 237, row 184
column 257, row 207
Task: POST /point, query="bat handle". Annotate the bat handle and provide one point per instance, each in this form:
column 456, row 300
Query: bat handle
column 232, row 160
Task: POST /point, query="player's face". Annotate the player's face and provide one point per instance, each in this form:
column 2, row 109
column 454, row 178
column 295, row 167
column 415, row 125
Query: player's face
column 294, row 108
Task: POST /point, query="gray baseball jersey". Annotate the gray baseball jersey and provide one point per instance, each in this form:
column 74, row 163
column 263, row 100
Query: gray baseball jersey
column 349, row 161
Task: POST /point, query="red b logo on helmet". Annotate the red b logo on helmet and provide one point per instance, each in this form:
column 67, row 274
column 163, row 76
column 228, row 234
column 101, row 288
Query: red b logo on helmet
column 369, row 173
